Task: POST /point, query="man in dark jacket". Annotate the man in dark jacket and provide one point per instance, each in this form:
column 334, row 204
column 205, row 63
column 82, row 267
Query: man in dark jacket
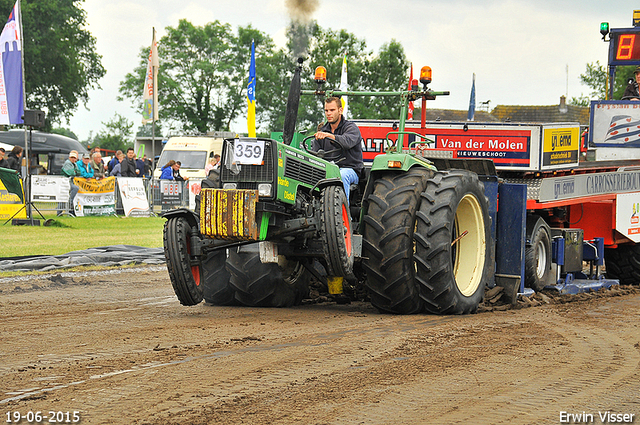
column 344, row 136
column 128, row 165
column 14, row 160
column 631, row 92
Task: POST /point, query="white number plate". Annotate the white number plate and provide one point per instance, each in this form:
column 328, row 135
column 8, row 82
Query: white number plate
column 248, row 152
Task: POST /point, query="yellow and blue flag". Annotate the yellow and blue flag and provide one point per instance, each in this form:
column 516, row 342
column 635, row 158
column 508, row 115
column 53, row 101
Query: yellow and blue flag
column 251, row 94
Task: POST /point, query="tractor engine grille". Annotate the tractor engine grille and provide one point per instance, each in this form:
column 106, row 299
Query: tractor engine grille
column 303, row 172
column 251, row 175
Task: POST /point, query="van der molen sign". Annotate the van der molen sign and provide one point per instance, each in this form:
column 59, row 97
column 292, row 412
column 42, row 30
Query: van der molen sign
column 578, row 186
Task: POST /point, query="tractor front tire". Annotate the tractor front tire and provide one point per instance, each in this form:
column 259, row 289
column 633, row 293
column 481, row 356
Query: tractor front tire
column 267, row 285
column 216, row 289
column 623, row 263
column 453, row 254
column 388, row 241
column 186, row 278
column 336, row 232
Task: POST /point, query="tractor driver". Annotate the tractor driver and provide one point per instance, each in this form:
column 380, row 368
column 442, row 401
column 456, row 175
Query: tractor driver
column 338, row 133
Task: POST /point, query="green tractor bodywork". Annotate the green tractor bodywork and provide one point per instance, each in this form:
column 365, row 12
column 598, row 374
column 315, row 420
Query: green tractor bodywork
column 258, row 235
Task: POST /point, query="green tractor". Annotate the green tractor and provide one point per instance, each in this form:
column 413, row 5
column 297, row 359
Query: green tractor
column 418, row 237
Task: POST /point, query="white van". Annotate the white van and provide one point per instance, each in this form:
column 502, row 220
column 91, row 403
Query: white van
column 193, row 152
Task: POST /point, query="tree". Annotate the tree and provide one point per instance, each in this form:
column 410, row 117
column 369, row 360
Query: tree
column 204, row 71
column 116, row 135
column 595, row 77
column 202, row 74
column 65, row 132
column 60, row 60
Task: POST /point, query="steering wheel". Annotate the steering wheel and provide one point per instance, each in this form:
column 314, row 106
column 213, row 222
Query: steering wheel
column 304, row 143
column 321, row 153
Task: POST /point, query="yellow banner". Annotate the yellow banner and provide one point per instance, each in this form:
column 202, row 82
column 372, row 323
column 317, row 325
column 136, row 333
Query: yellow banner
column 107, row 185
column 10, row 203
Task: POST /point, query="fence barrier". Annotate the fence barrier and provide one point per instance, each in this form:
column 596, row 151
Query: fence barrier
column 52, row 193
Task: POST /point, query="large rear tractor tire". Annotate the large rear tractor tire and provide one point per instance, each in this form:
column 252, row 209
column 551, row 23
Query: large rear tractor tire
column 453, row 254
column 623, row 263
column 336, row 232
column 388, row 241
column 267, row 285
column 537, row 256
column 186, row 278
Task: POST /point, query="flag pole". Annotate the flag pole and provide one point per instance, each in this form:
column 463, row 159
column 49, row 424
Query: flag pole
column 153, row 109
column 26, row 180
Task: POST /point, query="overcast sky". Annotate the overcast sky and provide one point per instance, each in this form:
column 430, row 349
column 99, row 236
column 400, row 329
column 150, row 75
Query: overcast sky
column 520, row 50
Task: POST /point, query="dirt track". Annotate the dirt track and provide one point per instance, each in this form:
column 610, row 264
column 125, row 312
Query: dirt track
column 120, row 349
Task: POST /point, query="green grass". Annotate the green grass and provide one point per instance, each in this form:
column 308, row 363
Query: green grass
column 71, row 234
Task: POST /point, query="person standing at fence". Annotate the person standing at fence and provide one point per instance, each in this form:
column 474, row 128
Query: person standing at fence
column 139, row 166
column 70, row 169
column 14, row 159
column 128, row 164
column 115, row 160
column 116, row 171
column 97, row 164
column 147, row 166
column 86, row 170
column 211, row 165
column 167, row 171
column 3, row 161
column 176, row 172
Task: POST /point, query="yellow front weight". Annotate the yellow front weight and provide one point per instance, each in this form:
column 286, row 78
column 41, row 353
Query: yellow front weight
column 229, row 214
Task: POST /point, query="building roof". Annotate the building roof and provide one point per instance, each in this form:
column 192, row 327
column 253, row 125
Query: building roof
column 454, row 115
column 542, row 114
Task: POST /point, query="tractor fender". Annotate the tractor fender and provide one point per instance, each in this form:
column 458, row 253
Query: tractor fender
column 327, row 182
column 189, row 215
column 533, row 223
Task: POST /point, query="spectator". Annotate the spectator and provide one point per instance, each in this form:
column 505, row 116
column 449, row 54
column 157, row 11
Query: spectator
column 117, row 169
column 139, row 166
column 3, row 161
column 97, row 164
column 70, row 169
column 86, row 170
column 147, row 166
column 211, row 165
column 167, row 171
column 128, row 165
column 14, row 159
column 114, row 161
column 176, row 172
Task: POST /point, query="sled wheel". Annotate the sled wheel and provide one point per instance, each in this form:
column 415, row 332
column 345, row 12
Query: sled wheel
column 267, row 285
column 335, row 231
column 537, row 260
column 623, row 263
column 216, row 288
column 185, row 277
column 388, row 241
column 453, row 254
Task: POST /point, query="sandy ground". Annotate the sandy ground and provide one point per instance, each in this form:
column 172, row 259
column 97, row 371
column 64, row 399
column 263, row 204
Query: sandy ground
column 119, row 349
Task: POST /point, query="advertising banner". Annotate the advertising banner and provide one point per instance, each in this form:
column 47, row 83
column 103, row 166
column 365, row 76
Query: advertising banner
column 170, row 194
column 134, row 197
column 561, row 146
column 95, row 197
column 628, row 215
column 194, row 190
column 11, row 196
column 50, row 188
column 615, row 123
